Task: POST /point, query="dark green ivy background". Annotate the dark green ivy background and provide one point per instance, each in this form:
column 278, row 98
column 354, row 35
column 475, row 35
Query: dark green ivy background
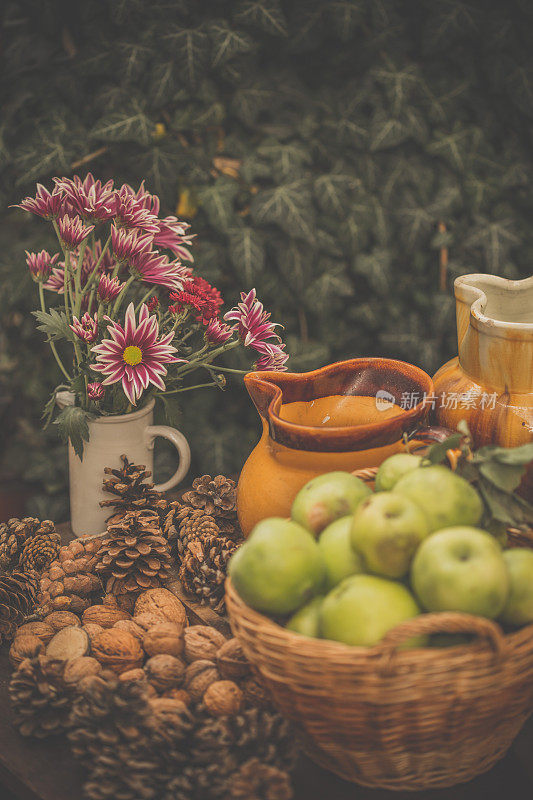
column 325, row 153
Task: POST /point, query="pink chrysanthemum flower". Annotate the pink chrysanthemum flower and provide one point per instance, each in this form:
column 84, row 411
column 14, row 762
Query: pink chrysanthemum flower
column 274, row 359
column 40, row 265
column 85, row 328
column 252, row 321
column 172, row 236
column 72, row 231
column 153, row 267
column 128, row 243
column 130, row 212
column 56, row 281
column 95, row 390
column 89, row 198
column 108, row 289
column 45, row 204
column 217, row 332
column 134, row 355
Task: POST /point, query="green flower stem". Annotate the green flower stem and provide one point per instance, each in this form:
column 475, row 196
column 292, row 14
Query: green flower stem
column 77, row 278
column 94, row 273
column 146, row 297
column 216, row 368
column 186, row 389
column 50, row 342
column 120, row 298
column 201, row 359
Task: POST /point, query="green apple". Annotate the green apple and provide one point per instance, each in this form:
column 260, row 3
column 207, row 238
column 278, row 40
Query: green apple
column 444, row 497
column 387, row 529
column 518, row 609
column 279, row 568
column 339, row 557
column 326, row 498
column 461, row 569
column 394, row 468
column 361, row 609
column 306, row 621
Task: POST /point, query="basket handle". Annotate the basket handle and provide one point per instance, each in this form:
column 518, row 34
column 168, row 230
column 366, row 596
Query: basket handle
column 440, row 622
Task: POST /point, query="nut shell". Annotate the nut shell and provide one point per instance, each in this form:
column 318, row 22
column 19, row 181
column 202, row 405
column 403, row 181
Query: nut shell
column 223, row 698
column 166, row 638
column 199, row 676
column 68, row 643
column 148, row 620
column 117, row 650
column 231, row 661
column 80, row 668
column 26, row 646
column 104, row 615
column 40, row 629
column 62, row 619
column 164, row 672
column 92, row 630
column 130, row 626
column 162, row 603
column 203, row 642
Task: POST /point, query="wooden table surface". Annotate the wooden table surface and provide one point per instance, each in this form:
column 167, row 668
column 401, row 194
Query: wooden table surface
column 31, row 769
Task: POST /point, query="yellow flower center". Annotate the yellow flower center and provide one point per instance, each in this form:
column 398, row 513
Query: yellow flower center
column 132, row 355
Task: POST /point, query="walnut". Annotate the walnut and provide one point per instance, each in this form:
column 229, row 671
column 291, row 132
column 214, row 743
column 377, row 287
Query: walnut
column 26, row 646
column 106, row 616
column 147, row 620
column 130, row 626
column 201, row 641
column 178, row 694
column 62, row 619
column 164, row 672
column 166, row 638
column 118, row 650
column 137, row 674
column 231, row 661
column 68, row 643
column 80, row 668
column 199, row 676
column 40, row 629
column 92, row 629
column 223, row 698
column 163, row 603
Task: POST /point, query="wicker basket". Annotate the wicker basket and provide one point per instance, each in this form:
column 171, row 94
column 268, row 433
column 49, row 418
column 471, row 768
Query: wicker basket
column 392, row 718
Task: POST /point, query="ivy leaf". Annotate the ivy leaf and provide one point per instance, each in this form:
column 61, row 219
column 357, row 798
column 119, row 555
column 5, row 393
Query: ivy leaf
column 48, row 151
column 73, row 425
column 288, row 159
column 332, row 192
column 227, row 42
column 288, row 205
column 217, row 202
column 333, row 284
column 345, row 16
column 130, row 125
column 162, row 84
column 190, row 49
column 133, row 59
column 249, row 101
column 160, row 164
column 376, row 267
column 54, row 324
column 263, row 14
column 247, row 252
column 494, row 238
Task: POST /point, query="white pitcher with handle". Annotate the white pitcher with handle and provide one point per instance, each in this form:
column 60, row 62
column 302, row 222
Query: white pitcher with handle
column 109, row 437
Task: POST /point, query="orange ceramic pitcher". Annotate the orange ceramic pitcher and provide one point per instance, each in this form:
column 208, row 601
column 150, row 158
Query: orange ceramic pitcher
column 346, row 416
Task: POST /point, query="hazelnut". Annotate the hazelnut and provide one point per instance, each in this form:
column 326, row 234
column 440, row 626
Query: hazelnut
column 231, row 661
column 130, row 626
column 62, row 619
column 68, row 643
column 80, row 668
column 106, row 616
column 40, row 629
column 92, row 629
column 164, row 672
column 162, row 603
column 118, row 650
column 199, row 676
column 201, row 641
column 26, row 646
column 165, row 637
column 223, row 698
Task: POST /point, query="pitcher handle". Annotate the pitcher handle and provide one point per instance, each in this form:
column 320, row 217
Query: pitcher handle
column 182, row 446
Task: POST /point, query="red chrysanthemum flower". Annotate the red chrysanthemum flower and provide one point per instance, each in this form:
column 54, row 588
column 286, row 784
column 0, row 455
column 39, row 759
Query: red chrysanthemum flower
column 89, row 198
column 197, row 293
column 152, row 304
column 45, row 204
column 40, row 265
column 85, row 328
column 217, row 332
column 95, row 390
column 72, row 231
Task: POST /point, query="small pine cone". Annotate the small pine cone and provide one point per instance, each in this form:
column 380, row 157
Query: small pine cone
column 196, row 524
column 216, row 496
column 18, row 596
column 131, row 491
column 15, row 533
column 40, row 551
column 204, row 566
column 176, row 514
column 40, row 697
column 255, row 780
column 134, row 556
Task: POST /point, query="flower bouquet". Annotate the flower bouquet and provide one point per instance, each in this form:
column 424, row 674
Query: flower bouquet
column 127, row 321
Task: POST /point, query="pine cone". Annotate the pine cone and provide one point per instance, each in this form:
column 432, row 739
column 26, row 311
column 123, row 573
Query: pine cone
column 134, row 556
column 257, row 781
column 264, row 734
column 40, row 698
column 18, row 595
column 69, row 584
column 204, row 566
column 218, row 498
column 131, row 491
column 40, row 551
column 15, row 534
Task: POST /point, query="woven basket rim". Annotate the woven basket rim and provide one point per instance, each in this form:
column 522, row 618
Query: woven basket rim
column 340, row 652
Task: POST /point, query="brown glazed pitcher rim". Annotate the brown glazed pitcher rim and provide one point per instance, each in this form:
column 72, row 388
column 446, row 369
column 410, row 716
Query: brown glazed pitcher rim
column 269, row 390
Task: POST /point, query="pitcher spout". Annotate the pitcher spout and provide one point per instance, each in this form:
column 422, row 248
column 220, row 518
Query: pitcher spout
column 263, row 388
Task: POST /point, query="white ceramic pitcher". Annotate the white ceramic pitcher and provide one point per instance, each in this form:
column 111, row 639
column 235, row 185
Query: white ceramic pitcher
column 110, row 437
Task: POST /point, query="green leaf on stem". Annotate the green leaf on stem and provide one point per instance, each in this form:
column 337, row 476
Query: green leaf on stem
column 73, row 424
column 54, row 324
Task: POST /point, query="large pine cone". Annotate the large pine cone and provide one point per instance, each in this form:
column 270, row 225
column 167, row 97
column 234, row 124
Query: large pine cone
column 218, row 498
column 40, row 698
column 17, row 534
column 131, row 490
column 40, row 551
column 134, row 556
column 70, row 584
column 204, row 566
column 18, row 595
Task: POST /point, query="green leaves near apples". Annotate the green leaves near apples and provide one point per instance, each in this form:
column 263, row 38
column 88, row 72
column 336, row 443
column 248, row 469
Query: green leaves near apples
column 340, row 558
column 361, row 609
column 306, row 621
column 394, row 468
column 445, row 498
column 518, row 609
column 326, row 498
column 461, row 569
column 386, row 531
column 279, row 568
